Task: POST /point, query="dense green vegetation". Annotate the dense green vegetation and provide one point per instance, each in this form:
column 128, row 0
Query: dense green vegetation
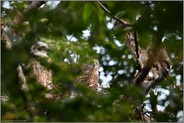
column 63, row 27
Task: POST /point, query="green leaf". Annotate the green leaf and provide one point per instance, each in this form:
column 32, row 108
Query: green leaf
column 87, row 11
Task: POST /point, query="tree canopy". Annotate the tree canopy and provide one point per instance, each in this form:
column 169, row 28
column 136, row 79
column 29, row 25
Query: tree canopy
column 78, row 32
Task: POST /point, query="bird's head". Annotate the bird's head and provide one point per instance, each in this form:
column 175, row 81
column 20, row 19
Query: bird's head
column 96, row 63
column 39, row 49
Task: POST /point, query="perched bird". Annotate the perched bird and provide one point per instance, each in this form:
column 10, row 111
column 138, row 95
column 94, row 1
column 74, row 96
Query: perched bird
column 37, row 71
column 161, row 66
column 150, row 66
column 90, row 75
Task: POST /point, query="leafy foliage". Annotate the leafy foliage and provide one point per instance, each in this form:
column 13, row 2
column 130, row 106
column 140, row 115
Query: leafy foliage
column 62, row 27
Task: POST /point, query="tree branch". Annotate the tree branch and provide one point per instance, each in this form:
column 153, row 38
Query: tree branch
column 147, row 67
column 125, row 23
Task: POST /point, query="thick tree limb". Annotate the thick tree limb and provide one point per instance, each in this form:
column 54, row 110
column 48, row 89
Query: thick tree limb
column 147, row 67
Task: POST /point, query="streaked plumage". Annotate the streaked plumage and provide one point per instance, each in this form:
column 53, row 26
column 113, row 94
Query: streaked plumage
column 90, row 75
column 37, row 71
column 161, row 66
column 89, row 78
